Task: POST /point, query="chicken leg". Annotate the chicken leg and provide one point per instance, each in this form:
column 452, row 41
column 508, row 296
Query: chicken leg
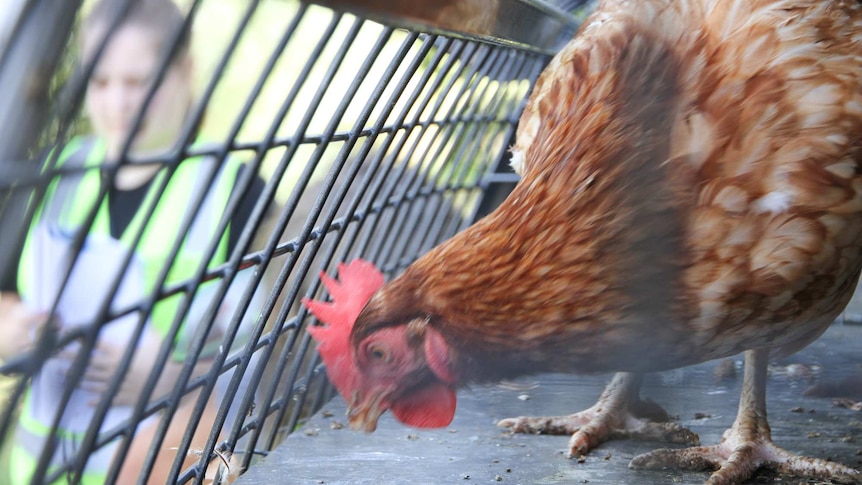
column 747, row 445
column 619, row 413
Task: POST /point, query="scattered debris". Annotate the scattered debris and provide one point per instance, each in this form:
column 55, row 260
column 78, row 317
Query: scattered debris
column 726, row 369
column 814, row 434
column 795, row 371
column 336, row 425
column 412, row 437
column 228, row 470
column 311, row 431
column 802, row 370
column 498, row 478
column 582, row 459
column 797, row 409
column 851, row 404
column 327, row 413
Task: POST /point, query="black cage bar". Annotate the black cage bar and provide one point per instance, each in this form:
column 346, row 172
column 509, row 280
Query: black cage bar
column 379, row 132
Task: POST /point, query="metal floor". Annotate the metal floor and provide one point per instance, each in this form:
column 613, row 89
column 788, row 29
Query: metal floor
column 474, row 450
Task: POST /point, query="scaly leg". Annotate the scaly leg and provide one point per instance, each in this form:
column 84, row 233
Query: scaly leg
column 618, row 414
column 747, row 445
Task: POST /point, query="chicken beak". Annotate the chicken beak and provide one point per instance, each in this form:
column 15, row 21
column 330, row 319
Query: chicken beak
column 362, row 415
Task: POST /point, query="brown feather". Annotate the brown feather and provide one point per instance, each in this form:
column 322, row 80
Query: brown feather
column 690, row 189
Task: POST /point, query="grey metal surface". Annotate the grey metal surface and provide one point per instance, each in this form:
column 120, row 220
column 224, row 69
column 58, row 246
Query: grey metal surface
column 474, row 450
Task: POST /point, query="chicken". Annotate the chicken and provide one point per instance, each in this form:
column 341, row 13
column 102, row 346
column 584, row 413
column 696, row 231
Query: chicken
column 691, row 188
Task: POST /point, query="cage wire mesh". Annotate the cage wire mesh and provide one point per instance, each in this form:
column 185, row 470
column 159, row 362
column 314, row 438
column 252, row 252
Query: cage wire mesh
column 377, row 134
column 374, row 141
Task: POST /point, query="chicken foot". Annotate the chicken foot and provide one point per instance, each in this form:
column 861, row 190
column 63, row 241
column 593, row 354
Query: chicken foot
column 618, row 414
column 747, row 445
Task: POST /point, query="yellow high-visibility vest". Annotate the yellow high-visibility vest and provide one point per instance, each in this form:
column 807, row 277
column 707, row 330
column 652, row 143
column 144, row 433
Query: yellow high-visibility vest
column 68, row 203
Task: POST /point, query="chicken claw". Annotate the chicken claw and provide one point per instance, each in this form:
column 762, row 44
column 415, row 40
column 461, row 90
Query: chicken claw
column 747, row 445
column 618, row 414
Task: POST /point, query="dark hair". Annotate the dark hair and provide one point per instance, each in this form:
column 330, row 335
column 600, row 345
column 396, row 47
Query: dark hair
column 162, row 17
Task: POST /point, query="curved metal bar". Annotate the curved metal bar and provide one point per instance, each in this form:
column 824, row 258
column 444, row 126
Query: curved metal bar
column 523, row 24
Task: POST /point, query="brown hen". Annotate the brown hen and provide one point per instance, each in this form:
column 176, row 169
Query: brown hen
column 691, row 188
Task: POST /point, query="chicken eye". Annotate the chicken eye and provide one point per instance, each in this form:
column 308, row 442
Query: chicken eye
column 378, row 353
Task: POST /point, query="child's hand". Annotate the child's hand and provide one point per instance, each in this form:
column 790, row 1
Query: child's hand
column 19, row 326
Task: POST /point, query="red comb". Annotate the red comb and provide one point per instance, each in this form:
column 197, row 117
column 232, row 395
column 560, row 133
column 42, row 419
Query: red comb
column 359, row 280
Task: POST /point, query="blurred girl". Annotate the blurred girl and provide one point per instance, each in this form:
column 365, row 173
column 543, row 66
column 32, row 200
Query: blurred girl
column 49, row 432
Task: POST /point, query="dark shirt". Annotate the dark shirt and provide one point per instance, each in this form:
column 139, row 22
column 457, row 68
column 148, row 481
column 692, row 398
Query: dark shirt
column 124, row 204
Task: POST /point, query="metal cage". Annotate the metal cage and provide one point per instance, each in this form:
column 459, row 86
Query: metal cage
column 380, row 129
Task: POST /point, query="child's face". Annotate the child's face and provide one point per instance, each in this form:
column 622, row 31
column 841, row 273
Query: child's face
column 119, row 84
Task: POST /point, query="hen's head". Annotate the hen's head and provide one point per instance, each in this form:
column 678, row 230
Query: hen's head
column 403, row 367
